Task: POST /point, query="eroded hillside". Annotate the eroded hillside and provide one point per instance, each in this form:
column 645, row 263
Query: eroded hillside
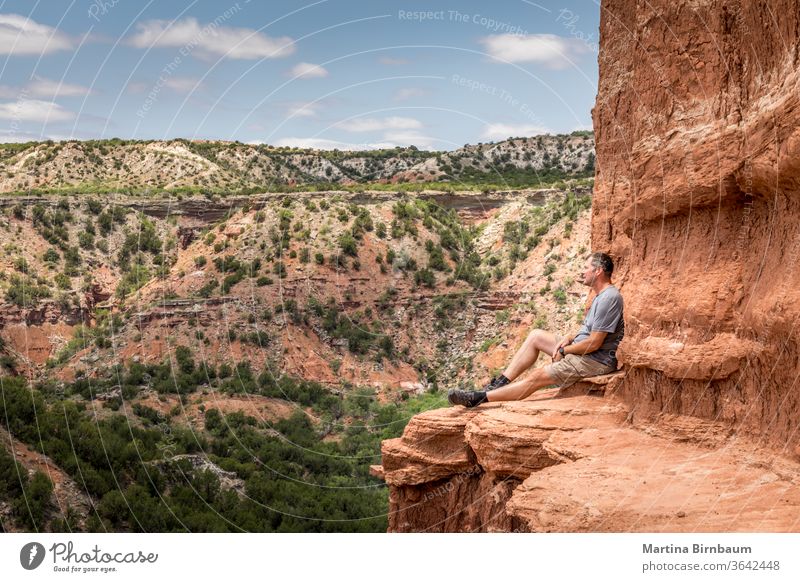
column 369, row 289
column 154, row 167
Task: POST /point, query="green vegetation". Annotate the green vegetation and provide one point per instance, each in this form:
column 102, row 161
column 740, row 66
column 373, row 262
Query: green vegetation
column 293, row 479
column 133, row 280
column 29, row 497
column 25, row 291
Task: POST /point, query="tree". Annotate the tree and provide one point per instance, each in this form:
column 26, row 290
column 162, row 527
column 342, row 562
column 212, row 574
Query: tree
column 30, row 507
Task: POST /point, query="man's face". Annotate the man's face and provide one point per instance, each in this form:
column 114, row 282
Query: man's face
column 590, row 273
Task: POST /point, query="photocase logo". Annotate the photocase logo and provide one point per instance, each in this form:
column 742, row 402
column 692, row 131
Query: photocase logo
column 31, row 555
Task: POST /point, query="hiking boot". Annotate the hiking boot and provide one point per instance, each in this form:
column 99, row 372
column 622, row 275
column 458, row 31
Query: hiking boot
column 496, row 382
column 465, row 398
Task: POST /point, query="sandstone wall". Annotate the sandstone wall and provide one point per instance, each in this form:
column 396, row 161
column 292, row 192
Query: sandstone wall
column 697, row 197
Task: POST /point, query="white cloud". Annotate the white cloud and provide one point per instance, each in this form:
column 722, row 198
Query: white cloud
column 501, row 131
column 136, row 87
column 555, row 52
column 326, row 144
column 20, row 137
column 183, row 84
column 375, row 124
column 392, row 61
column 210, row 40
column 34, row 110
column 409, row 93
column 422, row 142
column 43, row 88
column 48, row 88
column 22, row 36
column 176, row 84
column 307, row 71
column 408, row 138
column 301, row 109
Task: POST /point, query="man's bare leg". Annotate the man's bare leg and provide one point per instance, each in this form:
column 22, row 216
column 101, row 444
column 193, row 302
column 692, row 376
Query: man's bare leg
column 537, row 341
column 521, row 389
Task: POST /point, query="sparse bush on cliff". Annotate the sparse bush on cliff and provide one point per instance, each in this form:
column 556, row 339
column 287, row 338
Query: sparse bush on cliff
column 348, row 244
column 208, row 288
column 435, row 256
column 133, row 280
column 51, row 256
column 94, row 205
column 425, row 277
column 86, row 240
column 24, row 291
column 515, row 231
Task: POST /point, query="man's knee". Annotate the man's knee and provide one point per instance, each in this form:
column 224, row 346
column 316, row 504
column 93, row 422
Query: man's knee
column 535, row 335
column 540, row 339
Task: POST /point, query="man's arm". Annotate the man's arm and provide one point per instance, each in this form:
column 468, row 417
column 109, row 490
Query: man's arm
column 587, row 346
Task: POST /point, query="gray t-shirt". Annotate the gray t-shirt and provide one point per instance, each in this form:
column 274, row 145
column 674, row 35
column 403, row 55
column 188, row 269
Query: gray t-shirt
column 605, row 314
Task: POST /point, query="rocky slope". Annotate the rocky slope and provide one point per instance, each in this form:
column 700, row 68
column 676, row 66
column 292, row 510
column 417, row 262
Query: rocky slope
column 696, row 122
column 379, row 289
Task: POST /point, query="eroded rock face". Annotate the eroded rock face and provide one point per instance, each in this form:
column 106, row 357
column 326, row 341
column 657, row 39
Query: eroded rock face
column 456, row 469
column 697, row 124
column 576, row 465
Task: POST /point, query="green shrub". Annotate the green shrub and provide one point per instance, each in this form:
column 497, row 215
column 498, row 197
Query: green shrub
column 86, row 240
column 348, row 244
column 51, row 256
column 425, row 277
column 25, row 292
column 133, row 280
column 208, row 288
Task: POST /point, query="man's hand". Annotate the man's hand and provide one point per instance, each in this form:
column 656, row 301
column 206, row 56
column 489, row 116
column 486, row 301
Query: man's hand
column 564, row 342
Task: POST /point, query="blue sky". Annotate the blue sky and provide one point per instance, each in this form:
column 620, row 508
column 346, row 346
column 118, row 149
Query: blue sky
column 324, row 73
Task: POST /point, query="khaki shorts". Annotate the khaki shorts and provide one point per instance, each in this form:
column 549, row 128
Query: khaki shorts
column 573, row 367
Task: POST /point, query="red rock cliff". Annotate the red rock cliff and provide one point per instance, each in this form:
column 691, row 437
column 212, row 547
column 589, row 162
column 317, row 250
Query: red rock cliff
column 698, row 154
column 697, row 126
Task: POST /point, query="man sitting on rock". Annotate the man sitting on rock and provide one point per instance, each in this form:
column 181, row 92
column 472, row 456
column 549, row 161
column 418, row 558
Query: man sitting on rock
column 590, row 352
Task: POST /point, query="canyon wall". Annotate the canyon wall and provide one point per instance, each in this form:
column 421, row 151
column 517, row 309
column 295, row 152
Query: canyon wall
column 697, row 124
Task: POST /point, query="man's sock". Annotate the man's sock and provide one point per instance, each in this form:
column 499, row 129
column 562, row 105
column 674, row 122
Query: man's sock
column 501, row 381
column 497, row 382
